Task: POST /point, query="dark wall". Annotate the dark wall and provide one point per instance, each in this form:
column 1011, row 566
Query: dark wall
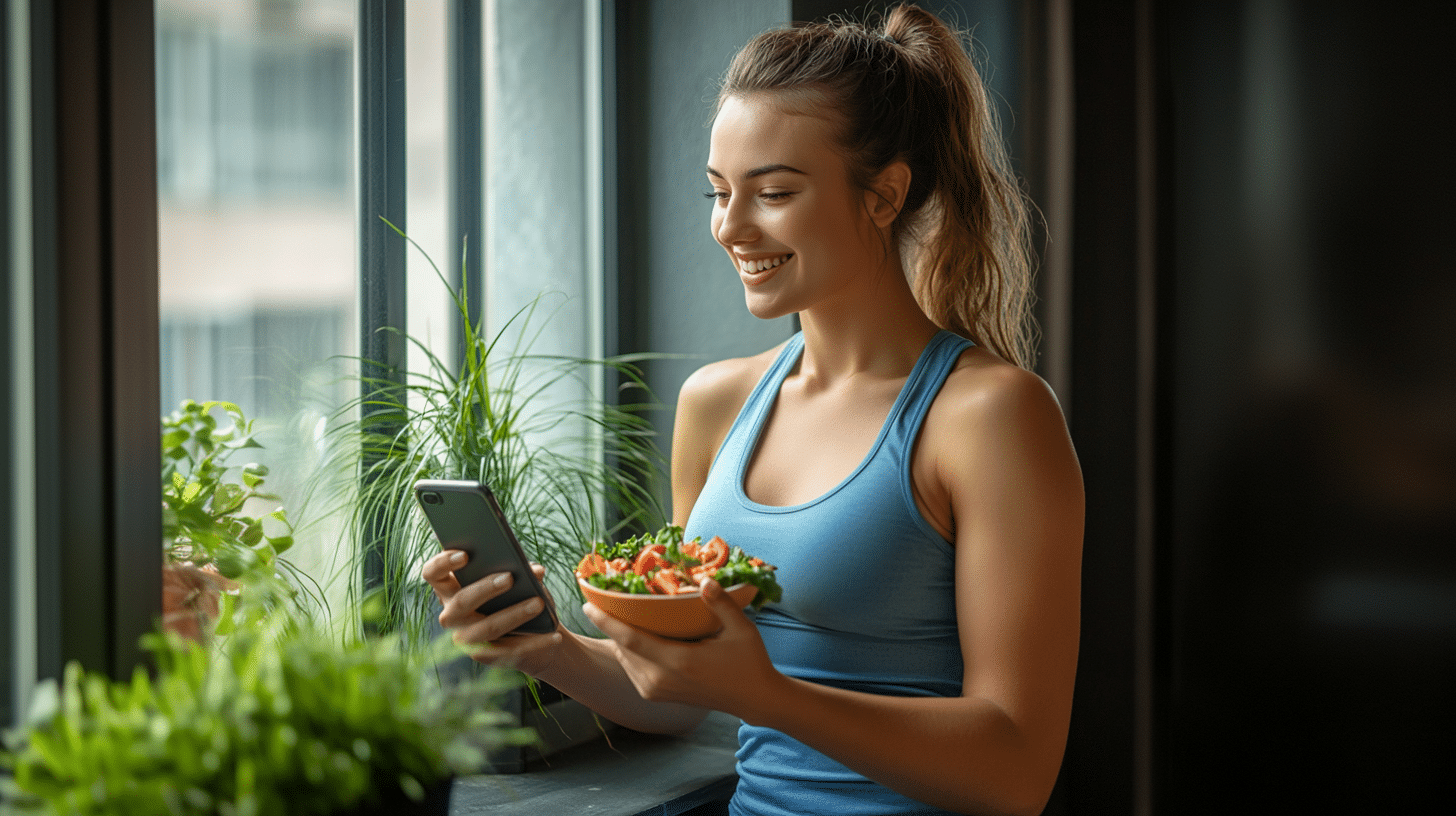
column 1310, row 603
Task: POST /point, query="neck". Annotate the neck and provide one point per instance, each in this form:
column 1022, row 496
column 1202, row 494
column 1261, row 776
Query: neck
column 879, row 330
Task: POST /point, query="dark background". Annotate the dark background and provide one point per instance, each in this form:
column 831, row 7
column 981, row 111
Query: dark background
column 1247, row 303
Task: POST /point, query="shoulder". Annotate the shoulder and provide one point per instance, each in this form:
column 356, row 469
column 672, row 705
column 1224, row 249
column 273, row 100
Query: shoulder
column 994, row 417
column 983, row 386
column 724, row 385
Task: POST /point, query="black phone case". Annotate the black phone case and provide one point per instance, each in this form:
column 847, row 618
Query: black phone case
column 465, row 516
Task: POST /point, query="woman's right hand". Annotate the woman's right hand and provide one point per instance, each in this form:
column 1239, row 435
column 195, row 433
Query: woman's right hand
column 585, row 668
column 489, row 636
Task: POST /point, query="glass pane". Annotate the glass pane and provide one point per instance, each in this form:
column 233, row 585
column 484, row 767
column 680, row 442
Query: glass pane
column 427, row 186
column 255, row 130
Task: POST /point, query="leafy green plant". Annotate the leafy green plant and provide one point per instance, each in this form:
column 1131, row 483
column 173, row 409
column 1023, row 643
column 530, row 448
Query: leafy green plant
column 566, row 469
column 205, row 521
column 281, row 717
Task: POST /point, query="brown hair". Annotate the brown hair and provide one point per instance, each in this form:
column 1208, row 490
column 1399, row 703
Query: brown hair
column 910, row 91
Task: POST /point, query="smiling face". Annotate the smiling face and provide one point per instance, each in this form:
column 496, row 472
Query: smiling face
column 796, row 229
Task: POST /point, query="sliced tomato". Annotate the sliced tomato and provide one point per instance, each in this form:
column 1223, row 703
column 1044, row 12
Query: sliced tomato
column 713, row 553
column 620, row 565
column 665, row 582
column 649, row 558
column 592, row 564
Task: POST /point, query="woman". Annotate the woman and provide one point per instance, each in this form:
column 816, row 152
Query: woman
column 913, row 483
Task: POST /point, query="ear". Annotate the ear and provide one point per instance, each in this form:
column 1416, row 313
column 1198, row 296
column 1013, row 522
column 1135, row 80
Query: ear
column 887, row 194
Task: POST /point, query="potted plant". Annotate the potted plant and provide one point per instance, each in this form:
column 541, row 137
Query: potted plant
column 212, row 532
column 566, row 469
column 280, row 717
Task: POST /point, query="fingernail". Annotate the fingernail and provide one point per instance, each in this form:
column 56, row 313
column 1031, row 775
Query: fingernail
column 502, row 580
column 457, row 558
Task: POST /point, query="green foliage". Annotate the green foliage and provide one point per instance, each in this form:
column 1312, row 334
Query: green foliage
column 280, row 718
column 205, row 519
column 742, row 569
column 629, row 582
column 566, row 469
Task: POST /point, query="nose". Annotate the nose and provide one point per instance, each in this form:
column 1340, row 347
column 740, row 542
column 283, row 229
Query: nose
column 733, row 222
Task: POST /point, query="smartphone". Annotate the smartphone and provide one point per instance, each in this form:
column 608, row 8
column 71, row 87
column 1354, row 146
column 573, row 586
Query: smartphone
column 466, row 516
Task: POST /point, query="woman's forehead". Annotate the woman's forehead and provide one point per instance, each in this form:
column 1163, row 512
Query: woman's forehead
column 760, row 131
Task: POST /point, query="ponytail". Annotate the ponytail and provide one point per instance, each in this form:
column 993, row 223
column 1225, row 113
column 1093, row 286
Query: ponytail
column 911, row 92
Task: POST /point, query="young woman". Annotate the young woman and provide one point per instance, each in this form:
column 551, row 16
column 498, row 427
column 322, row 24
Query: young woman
column 914, row 484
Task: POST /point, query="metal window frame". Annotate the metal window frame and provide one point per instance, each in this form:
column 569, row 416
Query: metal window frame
column 380, row 119
column 98, row 501
column 8, row 701
column 465, row 128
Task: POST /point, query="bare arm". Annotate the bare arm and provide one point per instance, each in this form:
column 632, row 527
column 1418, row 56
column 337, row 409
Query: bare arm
column 1016, row 496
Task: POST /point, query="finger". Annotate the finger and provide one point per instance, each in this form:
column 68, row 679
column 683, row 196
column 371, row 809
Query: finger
column 459, row 608
column 623, row 634
column 473, row 595
column 538, row 569
column 606, row 623
column 442, row 564
column 511, row 650
column 438, row 572
column 497, row 625
column 721, row 604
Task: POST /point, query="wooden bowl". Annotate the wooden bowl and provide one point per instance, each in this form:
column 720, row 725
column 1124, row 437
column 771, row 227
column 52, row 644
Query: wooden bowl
column 680, row 617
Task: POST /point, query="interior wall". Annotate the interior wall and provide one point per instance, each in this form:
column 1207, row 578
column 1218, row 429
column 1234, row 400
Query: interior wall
column 678, row 292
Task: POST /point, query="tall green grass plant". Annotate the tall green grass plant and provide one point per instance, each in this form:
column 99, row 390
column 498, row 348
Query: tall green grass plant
column 569, row 466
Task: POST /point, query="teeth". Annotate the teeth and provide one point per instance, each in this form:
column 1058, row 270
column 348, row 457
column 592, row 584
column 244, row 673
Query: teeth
column 759, row 266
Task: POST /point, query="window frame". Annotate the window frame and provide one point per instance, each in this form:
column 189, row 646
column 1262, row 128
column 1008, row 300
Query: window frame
column 9, row 679
column 94, row 242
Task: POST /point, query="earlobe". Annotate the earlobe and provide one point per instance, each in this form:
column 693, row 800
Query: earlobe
column 887, row 194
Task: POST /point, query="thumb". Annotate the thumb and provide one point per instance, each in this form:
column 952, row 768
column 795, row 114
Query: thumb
column 720, row 602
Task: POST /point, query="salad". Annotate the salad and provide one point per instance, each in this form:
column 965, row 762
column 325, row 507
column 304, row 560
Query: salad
column 662, row 563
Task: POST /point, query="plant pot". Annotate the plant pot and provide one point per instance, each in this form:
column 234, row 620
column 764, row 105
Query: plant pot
column 559, row 722
column 395, row 803
column 190, row 599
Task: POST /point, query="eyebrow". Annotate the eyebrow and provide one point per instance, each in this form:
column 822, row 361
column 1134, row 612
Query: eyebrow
column 764, row 170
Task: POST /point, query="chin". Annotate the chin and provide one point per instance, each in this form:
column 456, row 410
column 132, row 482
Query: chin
column 765, row 308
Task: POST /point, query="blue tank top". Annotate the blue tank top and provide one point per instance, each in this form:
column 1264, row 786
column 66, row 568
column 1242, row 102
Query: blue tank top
column 869, row 590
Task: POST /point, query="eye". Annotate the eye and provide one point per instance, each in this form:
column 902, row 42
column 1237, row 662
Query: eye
column 719, row 195
column 774, row 196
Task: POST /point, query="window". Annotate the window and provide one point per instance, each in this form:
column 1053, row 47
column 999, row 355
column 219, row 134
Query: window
column 256, row 223
column 274, row 267
column 256, row 109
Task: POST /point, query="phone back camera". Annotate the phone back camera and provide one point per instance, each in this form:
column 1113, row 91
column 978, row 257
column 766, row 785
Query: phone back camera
column 430, row 498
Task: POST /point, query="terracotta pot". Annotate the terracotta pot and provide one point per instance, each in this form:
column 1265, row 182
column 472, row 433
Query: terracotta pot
column 189, row 599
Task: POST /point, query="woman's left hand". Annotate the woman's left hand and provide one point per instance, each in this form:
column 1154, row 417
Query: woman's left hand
column 728, row 672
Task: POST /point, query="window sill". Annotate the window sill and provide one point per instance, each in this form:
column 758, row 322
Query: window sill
column 626, row 774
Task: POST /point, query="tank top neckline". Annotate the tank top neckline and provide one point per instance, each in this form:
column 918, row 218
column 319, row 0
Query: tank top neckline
column 766, row 395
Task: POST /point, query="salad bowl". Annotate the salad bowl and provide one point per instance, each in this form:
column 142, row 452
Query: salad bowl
column 683, row 616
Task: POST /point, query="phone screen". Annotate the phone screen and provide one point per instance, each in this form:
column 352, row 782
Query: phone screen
column 465, row 516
